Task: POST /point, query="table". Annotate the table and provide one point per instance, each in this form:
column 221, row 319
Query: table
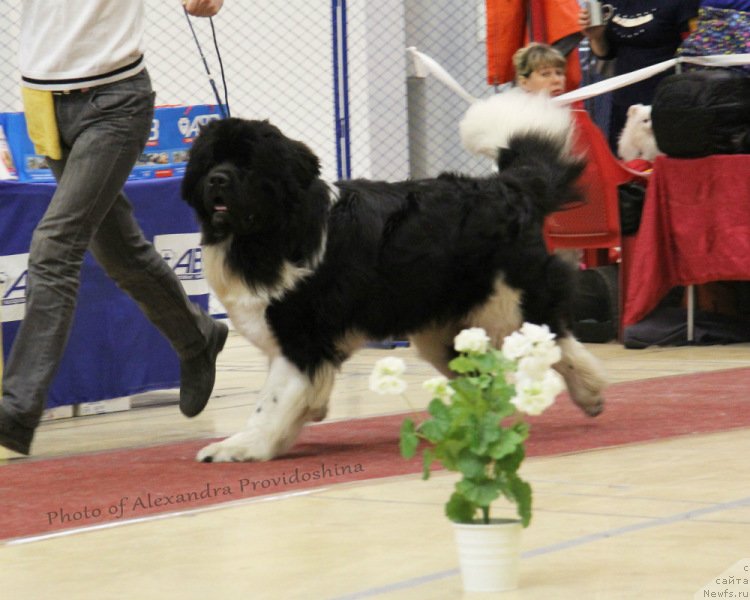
column 114, row 351
column 695, row 229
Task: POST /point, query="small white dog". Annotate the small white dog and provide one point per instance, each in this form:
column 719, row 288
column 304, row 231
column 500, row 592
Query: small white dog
column 637, row 137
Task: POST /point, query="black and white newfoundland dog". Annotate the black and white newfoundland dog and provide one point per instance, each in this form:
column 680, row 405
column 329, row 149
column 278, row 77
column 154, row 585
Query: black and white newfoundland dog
column 310, row 271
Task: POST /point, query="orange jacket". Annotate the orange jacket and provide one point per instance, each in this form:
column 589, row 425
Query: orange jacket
column 507, row 31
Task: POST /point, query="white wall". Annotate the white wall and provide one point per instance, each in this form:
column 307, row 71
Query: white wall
column 452, row 33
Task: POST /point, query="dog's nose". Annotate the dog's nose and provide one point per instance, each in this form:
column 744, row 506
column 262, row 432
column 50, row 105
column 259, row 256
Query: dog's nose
column 218, row 179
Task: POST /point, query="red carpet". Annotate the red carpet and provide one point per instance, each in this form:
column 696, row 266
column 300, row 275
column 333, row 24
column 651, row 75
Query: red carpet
column 48, row 495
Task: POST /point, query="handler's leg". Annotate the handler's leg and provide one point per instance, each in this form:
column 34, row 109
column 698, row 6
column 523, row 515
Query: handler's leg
column 139, row 270
column 99, row 152
column 102, row 132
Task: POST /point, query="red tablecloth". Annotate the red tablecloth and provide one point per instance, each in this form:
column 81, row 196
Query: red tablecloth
column 695, row 229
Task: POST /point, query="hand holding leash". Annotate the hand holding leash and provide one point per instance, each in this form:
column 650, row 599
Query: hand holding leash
column 209, row 8
column 203, row 8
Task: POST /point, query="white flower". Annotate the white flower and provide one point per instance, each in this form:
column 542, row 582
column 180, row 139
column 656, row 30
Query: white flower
column 474, row 339
column 532, row 340
column 534, row 396
column 387, row 384
column 390, row 365
column 516, row 346
column 532, row 367
column 537, row 334
column 386, row 376
column 439, row 387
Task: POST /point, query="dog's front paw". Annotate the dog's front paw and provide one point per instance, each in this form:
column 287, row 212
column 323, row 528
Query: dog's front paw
column 316, row 415
column 593, row 406
column 241, row 447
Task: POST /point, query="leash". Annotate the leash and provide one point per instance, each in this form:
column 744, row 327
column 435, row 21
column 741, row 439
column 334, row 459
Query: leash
column 223, row 105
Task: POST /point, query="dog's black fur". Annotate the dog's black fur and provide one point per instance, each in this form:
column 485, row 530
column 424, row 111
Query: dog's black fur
column 383, row 260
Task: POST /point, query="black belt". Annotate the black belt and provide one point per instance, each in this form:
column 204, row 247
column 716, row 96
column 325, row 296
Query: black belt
column 85, row 90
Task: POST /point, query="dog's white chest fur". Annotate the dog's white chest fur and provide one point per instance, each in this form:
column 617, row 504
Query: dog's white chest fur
column 246, row 307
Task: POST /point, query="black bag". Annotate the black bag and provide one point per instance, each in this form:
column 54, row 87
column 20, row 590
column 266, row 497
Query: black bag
column 667, row 326
column 698, row 113
column 596, row 304
column 631, row 196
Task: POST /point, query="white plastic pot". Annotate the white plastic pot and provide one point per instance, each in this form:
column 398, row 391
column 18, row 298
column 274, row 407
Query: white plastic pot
column 489, row 554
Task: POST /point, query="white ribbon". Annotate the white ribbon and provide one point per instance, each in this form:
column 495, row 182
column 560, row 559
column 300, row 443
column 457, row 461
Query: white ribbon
column 615, row 83
column 424, row 66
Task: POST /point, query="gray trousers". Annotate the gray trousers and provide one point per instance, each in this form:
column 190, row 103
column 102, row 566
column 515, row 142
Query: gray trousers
column 103, row 132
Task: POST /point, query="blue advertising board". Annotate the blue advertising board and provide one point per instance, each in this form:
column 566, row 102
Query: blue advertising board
column 172, row 133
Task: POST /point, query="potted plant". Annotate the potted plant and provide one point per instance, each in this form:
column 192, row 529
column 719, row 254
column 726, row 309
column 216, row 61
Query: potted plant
column 476, row 427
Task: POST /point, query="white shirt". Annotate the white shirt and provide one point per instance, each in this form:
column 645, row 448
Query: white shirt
column 73, row 44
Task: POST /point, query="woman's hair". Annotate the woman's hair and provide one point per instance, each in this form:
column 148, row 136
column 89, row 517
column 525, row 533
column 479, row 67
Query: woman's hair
column 535, row 56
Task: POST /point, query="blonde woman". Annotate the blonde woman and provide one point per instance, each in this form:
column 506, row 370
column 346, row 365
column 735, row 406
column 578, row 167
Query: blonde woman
column 540, row 68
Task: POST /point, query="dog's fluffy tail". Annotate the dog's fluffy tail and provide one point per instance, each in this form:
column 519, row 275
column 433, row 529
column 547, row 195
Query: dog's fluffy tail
column 528, row 134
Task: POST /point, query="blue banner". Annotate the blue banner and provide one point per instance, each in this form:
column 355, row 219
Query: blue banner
column 172, row 133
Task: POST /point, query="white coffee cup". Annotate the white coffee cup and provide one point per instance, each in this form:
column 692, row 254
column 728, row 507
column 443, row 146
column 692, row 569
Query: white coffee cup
column 599, row 13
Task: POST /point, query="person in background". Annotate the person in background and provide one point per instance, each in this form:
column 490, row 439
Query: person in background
column 89, row 108
column 540, row 68
column 640, row 33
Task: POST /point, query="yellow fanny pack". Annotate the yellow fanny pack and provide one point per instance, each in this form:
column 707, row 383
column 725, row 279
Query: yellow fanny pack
column 41, row 124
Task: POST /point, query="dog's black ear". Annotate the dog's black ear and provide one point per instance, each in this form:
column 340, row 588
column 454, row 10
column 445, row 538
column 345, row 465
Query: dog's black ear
column 305, row 165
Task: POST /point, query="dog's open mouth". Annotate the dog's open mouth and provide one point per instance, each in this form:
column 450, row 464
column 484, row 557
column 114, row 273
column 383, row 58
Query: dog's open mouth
column 220, row 215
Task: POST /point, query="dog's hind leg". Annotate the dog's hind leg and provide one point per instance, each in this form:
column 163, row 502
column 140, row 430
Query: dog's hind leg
column 324, row 377
column 501, row 315
column 435, row 345
column 584, row 376
column 547, row 301
column 283, row 407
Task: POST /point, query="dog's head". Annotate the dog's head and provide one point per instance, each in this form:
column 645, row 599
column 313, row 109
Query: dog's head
column 244, row 177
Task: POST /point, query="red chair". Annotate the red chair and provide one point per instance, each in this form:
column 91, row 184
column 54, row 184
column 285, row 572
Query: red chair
column 594, row 226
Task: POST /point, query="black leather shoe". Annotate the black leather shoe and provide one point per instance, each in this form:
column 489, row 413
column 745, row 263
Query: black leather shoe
column 198, row 374
column 13, row 435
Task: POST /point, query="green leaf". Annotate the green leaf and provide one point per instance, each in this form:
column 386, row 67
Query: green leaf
column 408, row 440
column 485, row 363
column 521, row 428
column 459, row 509
column 462, row 364
column 467, row 389
column 471, row 465
column 434, row 430
column 438, row 409
column 511, row 462
column 499, row 394
column 507, row 444
column 488, row 431
column 481, row 492
column 521, row 493
column 447, row 452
